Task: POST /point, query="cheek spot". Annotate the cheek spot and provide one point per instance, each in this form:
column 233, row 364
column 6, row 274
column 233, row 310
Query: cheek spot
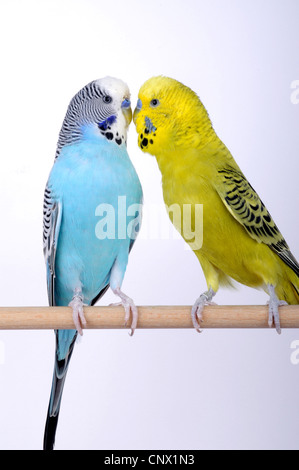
column 144, row 140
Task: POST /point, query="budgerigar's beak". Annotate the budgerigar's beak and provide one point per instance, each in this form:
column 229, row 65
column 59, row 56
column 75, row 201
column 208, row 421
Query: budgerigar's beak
column 127, row 110
column 136, row 110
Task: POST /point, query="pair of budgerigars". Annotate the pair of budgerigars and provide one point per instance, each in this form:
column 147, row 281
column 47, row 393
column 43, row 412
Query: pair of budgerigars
column 92, row 170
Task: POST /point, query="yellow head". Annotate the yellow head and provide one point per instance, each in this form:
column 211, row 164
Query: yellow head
column 169, row 115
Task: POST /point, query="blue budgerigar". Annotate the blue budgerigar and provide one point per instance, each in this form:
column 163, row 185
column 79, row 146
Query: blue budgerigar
column 92, row 213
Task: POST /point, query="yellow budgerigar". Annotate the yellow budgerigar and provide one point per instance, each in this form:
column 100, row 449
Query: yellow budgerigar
column 240, row 239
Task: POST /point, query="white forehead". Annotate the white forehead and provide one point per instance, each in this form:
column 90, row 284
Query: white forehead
column 114, row 86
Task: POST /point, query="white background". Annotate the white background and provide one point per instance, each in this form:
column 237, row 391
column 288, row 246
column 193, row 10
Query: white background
column 160, row 389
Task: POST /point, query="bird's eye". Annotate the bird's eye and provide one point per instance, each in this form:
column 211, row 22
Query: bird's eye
column 154, row 103
column 107, row 99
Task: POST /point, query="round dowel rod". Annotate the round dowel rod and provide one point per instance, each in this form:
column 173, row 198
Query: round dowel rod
column 226, row 316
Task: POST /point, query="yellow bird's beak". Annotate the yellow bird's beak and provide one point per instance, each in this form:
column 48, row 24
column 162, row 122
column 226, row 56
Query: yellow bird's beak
column 136, row 110
column 127, row 110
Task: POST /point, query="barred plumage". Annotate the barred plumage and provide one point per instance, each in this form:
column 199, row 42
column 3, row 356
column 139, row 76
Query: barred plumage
column 87, row 106
column 48, row 203
column 245, row 205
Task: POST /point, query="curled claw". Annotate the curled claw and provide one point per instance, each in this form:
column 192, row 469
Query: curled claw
column 130, row 309
column 196, row 314
column 274, row 304
column 197, row 309
column 78, row 313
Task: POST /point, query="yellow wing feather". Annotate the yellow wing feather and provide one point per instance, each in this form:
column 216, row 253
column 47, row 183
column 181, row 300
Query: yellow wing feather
column 244, row 204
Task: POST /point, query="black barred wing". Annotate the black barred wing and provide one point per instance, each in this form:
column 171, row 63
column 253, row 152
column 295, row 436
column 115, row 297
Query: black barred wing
column 247, row 208
column 51, row 226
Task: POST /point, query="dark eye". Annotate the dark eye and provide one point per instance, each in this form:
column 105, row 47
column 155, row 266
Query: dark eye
column 107, row 99
column 154, row 103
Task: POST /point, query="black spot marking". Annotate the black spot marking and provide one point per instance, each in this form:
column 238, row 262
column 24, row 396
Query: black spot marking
column 154, row 135
column 232, row 198
column 109, row 135
column 151, row 141
column 241, row 213
column 241, row 205
column 141, row 136
column 146, row 131
column 118, row 141
column 267, row 218
column 245, row 216
column 145, row 142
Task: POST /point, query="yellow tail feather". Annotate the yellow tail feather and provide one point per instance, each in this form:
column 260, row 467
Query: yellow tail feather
column 288, row 289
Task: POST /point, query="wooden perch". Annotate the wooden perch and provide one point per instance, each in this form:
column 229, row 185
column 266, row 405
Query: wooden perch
column 226, row 316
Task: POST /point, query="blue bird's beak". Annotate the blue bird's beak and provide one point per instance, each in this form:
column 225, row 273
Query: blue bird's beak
column 127, row 111
column 137, row 109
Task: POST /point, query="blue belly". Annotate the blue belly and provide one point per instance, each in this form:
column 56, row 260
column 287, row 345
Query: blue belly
column 86, row 178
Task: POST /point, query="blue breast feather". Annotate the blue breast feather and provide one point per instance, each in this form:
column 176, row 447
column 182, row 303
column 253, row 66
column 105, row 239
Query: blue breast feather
column 86, row 175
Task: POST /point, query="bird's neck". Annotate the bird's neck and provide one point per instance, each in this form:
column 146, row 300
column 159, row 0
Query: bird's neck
column 181, row 153
column 91, row 133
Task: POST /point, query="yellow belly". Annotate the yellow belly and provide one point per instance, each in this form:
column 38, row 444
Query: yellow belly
column 226, row 248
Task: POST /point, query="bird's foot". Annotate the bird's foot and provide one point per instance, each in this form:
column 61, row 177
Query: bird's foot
column 130, row 308
column 78, row 314
column 274, row 304
column 197, row 309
